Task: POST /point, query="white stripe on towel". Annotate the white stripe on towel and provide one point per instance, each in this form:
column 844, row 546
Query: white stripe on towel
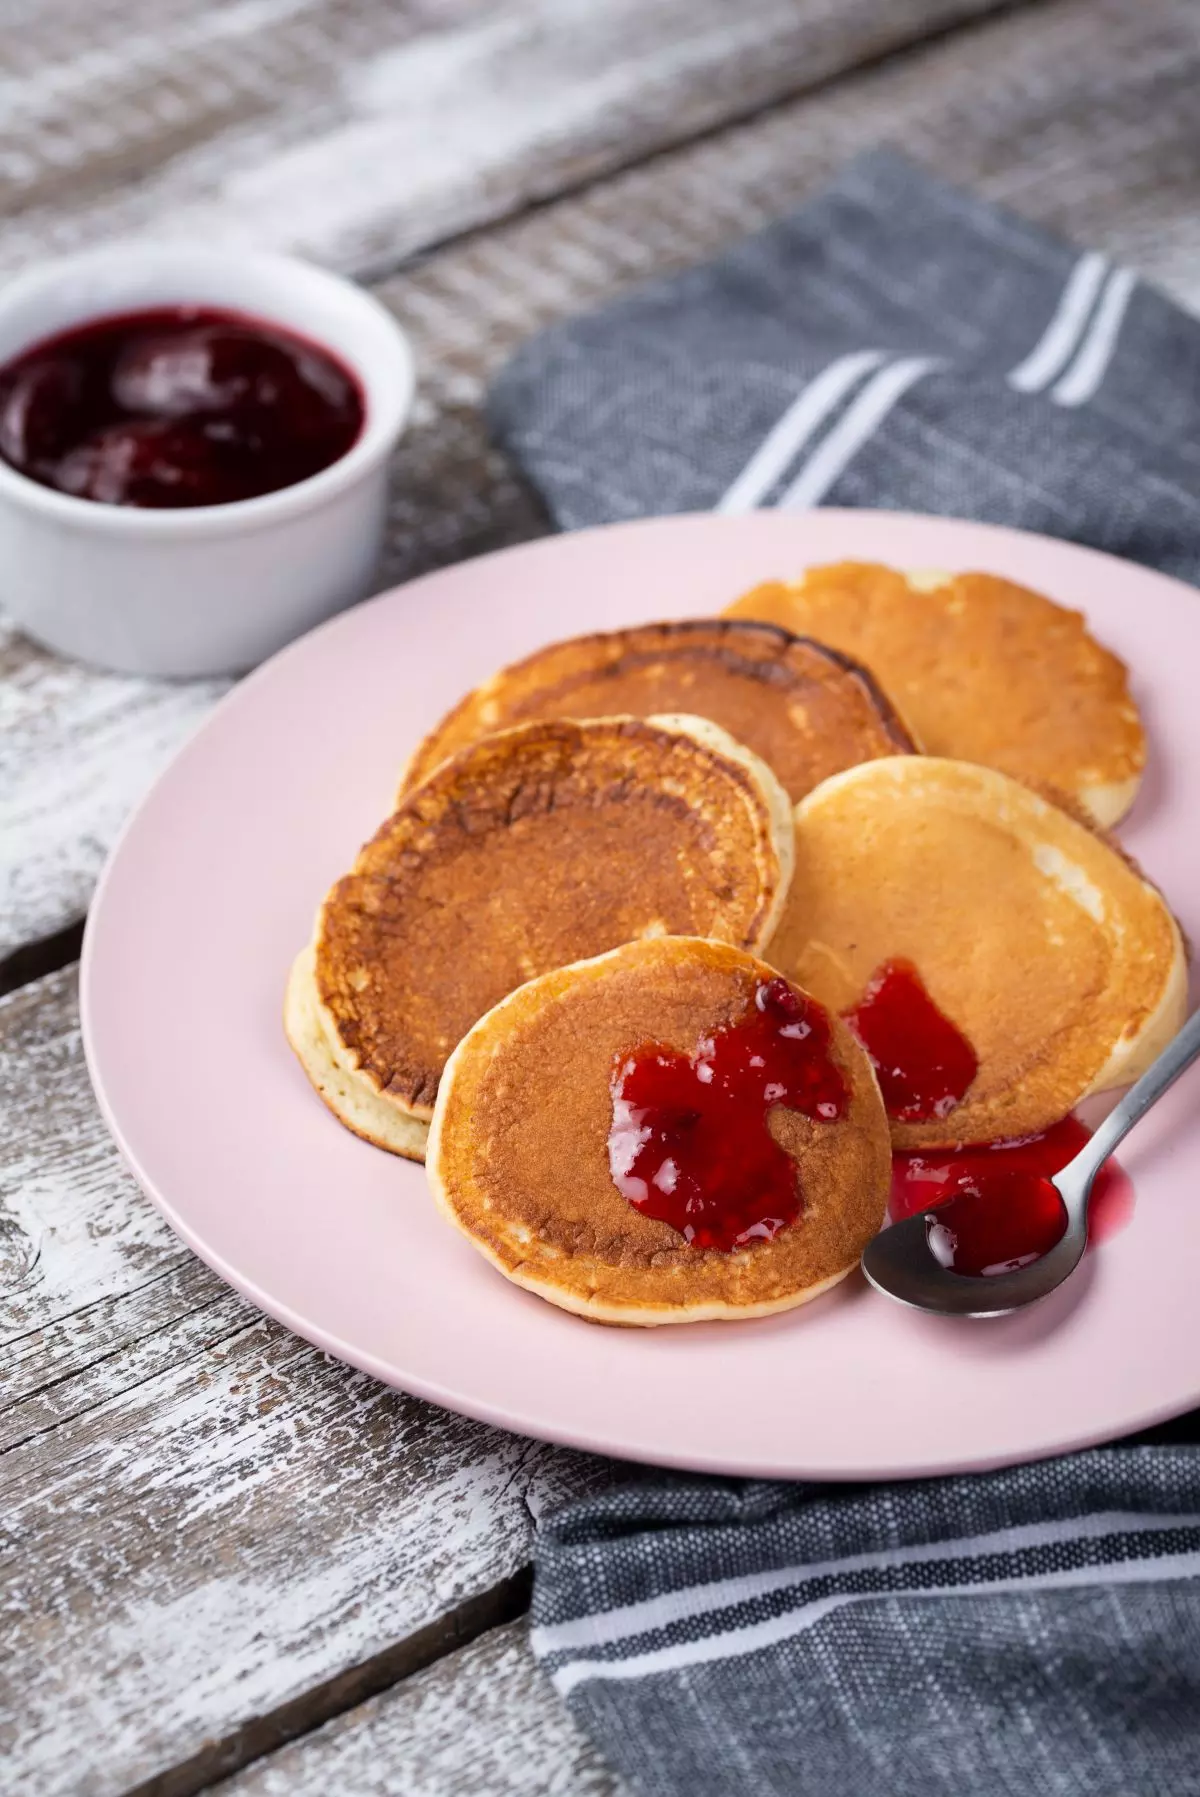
column 756, row 1635
column 859, row 422
column 1050, row 355
column 807, row 412
column 624, row 1621
column 1090, row 366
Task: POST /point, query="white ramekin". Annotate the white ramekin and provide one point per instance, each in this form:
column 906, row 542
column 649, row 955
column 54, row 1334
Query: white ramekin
column 208, row 589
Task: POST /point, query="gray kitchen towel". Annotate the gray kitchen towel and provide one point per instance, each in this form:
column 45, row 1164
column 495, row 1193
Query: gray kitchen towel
column 1026, row 1633
column 896, row 343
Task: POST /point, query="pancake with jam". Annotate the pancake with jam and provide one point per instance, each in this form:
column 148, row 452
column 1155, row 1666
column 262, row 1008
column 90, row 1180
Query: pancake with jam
column 806, row 710
column 531, row 848
column 669, row 1133
column 981, row 670
column 1000, row 960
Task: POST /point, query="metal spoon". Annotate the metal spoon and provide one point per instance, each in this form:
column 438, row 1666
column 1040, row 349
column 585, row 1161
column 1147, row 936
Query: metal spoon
column 901, row 1263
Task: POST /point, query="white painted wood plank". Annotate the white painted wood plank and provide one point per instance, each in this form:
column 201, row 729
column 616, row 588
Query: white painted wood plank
column 1081, row 112
column 359, row 130
column 204, row 1520
column 224, row 1539
column 74, row 1230
column 76, row 749
column 483, row 1722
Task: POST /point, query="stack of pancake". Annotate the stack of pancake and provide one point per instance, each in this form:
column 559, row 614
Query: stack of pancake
column 614, row 848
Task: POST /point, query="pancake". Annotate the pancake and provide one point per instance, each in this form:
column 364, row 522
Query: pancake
column 531, row 848
column 1042, row 944
column 981, row 670
column 353, row 1099
column 519, row 1157
column 806, row 710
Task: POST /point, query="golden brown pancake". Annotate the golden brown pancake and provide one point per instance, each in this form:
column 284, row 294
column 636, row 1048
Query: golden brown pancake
column 518, row 1150
column 806, row 710
column 531, row 848
column 353, row 1099
column 981, row 670
column 1044, row 946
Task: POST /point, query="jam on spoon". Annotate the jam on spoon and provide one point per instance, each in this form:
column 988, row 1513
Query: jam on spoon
column 180, row 406
column 1005, row 1221
column 689, row 1143
column 923, row 1063
column 996, row 1207
column 903, row 1262
column 996, row 1201
column 923, row 1177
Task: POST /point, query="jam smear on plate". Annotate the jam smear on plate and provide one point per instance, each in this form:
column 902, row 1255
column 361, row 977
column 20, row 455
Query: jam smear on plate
column 689, row 1143
column 995, row 1207
column 179, row 406
column 923, row 1063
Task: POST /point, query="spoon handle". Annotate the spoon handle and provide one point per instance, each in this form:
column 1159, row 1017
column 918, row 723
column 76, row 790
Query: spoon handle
column 1178, row 1055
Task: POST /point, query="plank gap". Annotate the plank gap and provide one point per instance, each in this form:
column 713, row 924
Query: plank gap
column 182, row 1261
column 220, row 1342
column 219, row 1760
column 48, row 954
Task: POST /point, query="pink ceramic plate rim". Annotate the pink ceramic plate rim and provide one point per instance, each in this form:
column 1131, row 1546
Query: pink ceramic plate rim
column 212, row 887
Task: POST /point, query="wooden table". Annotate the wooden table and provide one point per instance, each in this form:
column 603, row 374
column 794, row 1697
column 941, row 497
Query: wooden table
column 226, row 1556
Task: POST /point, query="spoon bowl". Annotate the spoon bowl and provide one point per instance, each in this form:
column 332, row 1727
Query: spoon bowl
column 901, row 1264
column 909, row 1261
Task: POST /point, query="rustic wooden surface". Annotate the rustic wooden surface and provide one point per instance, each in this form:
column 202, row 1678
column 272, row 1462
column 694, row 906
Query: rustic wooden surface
column 216, row 1533
column 359, row 131
column 484, row 1722
column 222, row 1552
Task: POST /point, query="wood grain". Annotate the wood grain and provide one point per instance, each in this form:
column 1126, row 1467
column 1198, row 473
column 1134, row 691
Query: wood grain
column 74, row 1231
column 76, row 750
column 1080, row 112
column 483, row 1722
column 357, row 131
column 214, row 1536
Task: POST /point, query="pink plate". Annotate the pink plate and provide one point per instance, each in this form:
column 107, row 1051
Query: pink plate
column 213, row 887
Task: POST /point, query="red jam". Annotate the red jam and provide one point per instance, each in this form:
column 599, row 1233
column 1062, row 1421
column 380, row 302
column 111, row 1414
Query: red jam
column 995, row 1205
column 1008, row 1220
column 689, row 1143
column 924, row 1065
column 181, row 406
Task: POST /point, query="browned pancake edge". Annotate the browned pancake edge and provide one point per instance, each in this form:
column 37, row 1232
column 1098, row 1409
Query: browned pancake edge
column 804, row 708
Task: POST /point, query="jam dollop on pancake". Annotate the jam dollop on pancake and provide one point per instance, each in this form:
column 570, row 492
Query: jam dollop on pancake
column 925, row 1067
column 521, row 1159
column 531, row 848
column 981, row 670
column 690, row 1142
column 1058, row 966
column 804, row 709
